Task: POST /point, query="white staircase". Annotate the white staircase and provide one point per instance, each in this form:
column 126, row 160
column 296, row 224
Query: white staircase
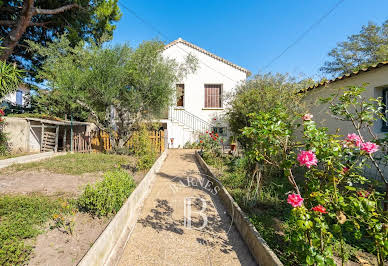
column 185, row 127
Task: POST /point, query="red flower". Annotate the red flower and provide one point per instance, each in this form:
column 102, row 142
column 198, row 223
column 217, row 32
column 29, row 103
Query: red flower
column 363, row 193
column 319, row 208
column 2, row 112
column 207, row 131
column 200, row 141
column 214, row 118
column 345, row 170
column 216, row 135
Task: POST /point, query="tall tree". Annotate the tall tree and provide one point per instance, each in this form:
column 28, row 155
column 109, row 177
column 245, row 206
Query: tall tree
column 42, row 20
column 368, row 47
column 262, row 93
column 118, row 86
column 10, row 77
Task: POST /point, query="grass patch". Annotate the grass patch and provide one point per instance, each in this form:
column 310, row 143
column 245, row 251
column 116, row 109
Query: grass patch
column 21, row 218
column 76, row 164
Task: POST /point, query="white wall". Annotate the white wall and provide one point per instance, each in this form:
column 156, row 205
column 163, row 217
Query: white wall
column 210, row 71
column 374, row 81
column 12, row 96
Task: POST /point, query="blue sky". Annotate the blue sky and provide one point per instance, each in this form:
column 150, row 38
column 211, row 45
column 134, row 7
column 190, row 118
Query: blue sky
column 251, row 33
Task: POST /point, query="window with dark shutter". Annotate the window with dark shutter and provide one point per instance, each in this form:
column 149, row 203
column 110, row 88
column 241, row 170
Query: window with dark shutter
column 213, row 96
column 180, row 93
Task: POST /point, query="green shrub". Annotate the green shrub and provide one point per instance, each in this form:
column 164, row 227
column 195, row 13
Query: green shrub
column 108, row 195
column 21, row 218
column 144, row 150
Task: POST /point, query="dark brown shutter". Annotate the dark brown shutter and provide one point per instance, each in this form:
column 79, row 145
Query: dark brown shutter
column 180, row 89
column 213, row 97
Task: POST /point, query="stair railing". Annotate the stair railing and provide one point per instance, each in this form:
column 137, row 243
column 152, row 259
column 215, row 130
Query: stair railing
column 188, row 119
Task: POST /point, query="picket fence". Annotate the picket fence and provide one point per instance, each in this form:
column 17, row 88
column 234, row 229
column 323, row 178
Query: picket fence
column 99, row 141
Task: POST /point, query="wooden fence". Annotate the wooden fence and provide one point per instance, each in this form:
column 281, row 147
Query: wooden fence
column 100, row 141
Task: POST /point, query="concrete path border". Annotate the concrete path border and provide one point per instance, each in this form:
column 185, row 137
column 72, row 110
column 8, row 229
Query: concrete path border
column 29, row 158
column 257, row 246
column 108, row 247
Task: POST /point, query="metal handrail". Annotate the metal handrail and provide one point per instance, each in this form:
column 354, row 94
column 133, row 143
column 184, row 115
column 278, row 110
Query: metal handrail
column 188, row 119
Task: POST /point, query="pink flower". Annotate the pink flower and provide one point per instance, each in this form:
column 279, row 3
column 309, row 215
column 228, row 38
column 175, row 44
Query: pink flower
column 295, row 200
column 307, row 117
column 369, row 147
column 353, row 139
column 307, row 158
column 319, row 208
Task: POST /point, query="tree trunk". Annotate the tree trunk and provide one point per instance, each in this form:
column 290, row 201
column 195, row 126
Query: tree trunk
column 13, row 38
column 28, row 11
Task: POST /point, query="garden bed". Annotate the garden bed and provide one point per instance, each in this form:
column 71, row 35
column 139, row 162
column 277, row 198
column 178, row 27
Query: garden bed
column 40, row 222
column 269, row 212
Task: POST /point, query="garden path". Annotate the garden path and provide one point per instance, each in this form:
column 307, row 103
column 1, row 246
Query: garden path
column 160, row 236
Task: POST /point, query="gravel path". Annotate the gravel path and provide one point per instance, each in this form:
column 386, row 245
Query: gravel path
column 160, row 236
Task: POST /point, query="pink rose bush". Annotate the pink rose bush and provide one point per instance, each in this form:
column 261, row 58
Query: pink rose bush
column 295, row 200
column 369, row 147
column 307, row 158
column 307, row 117
column 353, row 140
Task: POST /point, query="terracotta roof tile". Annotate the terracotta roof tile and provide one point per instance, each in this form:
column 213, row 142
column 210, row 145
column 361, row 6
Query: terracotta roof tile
column 354, row 73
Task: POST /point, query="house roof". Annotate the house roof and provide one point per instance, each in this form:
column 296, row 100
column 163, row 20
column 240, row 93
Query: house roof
column 352, row 74
column 180, row 40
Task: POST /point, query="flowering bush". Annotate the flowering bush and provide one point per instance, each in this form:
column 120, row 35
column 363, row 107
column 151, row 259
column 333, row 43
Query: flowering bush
column 211, row 144
column 337, row 203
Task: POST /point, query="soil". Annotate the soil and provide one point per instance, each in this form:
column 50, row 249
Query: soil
column 27, row 182
column 55, row 247
column 58, row 248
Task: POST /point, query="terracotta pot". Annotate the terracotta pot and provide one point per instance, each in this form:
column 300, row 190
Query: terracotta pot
column 233, row 146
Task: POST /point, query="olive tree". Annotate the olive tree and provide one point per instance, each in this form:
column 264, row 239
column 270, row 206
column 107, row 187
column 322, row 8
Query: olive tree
column 118, row 86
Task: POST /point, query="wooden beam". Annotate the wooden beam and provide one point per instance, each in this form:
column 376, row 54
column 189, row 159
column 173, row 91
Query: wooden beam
column 64, row 140
column 56, row 139
column 39, row 126
column 42, row 138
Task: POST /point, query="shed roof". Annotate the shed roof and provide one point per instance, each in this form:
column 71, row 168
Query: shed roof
column 189, row 44
column 60, row 123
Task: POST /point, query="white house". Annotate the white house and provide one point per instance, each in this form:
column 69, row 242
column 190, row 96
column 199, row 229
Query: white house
column 18, row 98
column 202, row 94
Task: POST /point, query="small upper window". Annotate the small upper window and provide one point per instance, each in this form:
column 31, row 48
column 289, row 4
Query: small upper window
column 19, row 97
column 180, row 93
column 213, row 96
